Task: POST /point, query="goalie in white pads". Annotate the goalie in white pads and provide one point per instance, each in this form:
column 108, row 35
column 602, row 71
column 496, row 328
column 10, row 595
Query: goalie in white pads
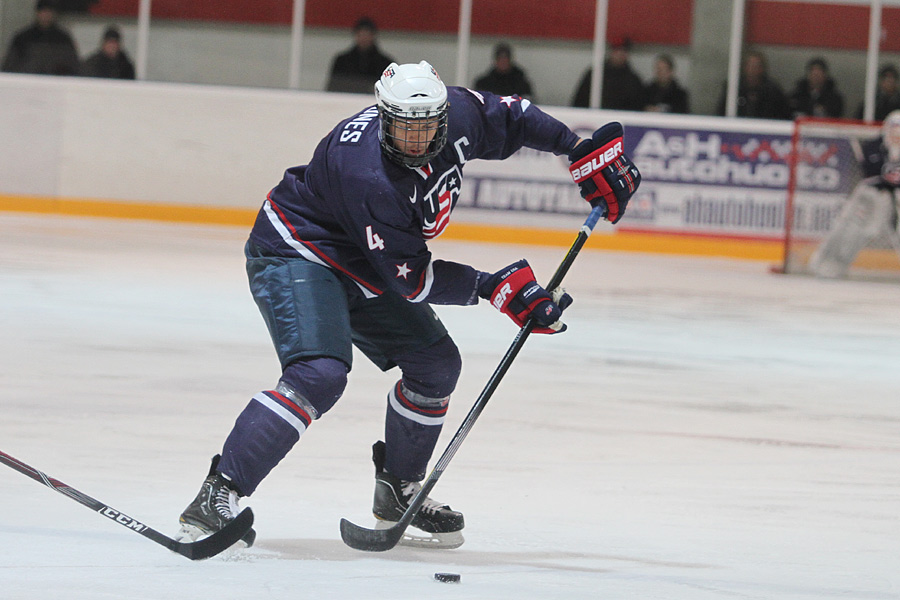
column 872, row 208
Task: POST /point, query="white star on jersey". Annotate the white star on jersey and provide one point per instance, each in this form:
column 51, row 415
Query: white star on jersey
column 508, row 100
column 403, row 270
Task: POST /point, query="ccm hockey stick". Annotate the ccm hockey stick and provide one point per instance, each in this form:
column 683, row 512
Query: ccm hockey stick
column 379, row 540
column 205, row 548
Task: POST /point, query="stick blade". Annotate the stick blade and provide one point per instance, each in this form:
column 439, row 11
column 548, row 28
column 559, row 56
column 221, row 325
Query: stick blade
column 370, row 540
column 220, row 540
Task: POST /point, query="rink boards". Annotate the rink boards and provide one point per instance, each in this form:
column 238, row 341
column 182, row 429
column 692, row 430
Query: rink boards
column 209, row 154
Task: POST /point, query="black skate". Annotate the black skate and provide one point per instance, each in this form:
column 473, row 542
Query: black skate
column 215, row 505
column 392, row 496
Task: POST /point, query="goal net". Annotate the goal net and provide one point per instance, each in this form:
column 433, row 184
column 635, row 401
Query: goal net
column 825, row 168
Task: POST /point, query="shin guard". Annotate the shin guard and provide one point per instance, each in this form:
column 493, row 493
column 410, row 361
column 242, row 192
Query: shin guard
column 412, row 427
column 263, row 434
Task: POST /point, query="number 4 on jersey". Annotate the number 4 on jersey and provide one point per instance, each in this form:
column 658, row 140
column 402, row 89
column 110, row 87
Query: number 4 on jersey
column 374, row 240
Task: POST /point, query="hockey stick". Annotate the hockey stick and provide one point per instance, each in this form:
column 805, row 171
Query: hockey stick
column 205, row 548
column 379, row 540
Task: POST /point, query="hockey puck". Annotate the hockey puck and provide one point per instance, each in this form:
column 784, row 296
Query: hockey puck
column 447, row 577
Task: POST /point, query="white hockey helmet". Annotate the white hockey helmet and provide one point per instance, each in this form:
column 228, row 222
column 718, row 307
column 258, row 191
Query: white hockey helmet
column 411, row 98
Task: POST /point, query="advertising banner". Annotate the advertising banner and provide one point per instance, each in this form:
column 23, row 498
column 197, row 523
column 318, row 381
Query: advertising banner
column 695, row 181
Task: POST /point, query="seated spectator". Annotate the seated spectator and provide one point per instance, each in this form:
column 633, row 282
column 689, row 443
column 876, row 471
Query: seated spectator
column 110, row 60
column 622, row 88
column 44, row 48
column 357, row 69
column 887, row 97
column 664, row 94
column 758, row 96
column 505, row 78
column 816, row 95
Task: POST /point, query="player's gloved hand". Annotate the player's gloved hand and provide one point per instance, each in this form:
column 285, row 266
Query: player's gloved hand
column 514, row 292
column 603, row 172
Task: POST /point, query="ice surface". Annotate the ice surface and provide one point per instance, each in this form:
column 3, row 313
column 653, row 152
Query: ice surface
column 703, row 430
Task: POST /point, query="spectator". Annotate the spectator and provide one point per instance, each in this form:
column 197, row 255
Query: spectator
column 357, row 69
column 505, row 78
column 44, row 48
column 816, row 94
column 622, row 88
column 664, row 94
column 887, row 97
column 758, row 96
column 110, row 60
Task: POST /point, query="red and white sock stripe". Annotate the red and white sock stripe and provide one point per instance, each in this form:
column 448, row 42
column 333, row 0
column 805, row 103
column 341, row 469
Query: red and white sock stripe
column 430, row 415
column 282, row 406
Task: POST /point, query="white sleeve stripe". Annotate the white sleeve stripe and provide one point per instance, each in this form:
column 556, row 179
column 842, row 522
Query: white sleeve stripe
column 292, row 419
column 426, row 287
column 287, row 237
column 412, row 416
column 303, row 250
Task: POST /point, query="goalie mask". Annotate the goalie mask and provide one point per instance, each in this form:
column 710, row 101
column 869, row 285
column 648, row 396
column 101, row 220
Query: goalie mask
column 890, row 133
column 412, row 105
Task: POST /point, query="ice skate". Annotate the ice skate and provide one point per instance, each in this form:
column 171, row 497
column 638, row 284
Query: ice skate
column 442, row 525
column 215, row 505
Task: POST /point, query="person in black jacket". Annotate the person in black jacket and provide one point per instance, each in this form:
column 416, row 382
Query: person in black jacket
column 622, row 87
column 887, row 97
column 759, row 96
column 816, row 95
column 110, row 61
column 44, row 48
column 505, row 78
column 664, row 94
column 355, row 70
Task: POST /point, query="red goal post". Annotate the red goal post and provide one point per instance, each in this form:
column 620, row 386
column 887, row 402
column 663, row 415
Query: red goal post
column 824, row 168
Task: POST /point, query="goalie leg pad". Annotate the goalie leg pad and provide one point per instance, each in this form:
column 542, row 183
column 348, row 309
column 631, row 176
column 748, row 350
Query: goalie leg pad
column 865, row 216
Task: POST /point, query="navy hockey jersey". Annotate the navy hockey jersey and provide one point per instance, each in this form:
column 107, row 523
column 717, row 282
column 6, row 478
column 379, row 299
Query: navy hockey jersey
column 356, row 212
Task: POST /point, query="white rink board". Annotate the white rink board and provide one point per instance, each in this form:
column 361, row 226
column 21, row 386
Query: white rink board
column 214, row 146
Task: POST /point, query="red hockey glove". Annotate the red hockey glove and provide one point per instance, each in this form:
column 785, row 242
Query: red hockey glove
column 603, row 172
column 514, row 292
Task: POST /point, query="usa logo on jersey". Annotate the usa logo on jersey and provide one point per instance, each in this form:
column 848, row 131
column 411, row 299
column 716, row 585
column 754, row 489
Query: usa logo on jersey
column 439, row 201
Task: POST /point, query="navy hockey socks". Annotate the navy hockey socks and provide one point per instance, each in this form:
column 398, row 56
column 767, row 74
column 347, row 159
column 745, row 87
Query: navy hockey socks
column 263, row 434
column 412, row 427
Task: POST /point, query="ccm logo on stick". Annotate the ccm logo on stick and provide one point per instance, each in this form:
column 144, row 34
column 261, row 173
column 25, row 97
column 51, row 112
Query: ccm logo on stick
column 123, row 519
column 597, row 162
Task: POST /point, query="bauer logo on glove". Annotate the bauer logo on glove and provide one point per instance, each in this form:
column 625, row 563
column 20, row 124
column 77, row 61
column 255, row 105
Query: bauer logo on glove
column 598, row 160
column 514, row 292
column 604, row 174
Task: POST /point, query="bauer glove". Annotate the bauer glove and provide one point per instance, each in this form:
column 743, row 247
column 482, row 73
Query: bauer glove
column 514, row 292
column 605, row 175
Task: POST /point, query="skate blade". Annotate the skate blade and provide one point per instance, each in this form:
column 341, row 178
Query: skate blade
column 433, row 541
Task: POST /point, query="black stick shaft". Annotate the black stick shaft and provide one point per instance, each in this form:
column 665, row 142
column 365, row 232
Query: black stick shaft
column 205, row 548
column 505, row 364
column 385, row 539
column 82, row 498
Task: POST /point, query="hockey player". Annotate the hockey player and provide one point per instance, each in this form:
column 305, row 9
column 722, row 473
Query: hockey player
column 871, row 209
column 339, row 256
